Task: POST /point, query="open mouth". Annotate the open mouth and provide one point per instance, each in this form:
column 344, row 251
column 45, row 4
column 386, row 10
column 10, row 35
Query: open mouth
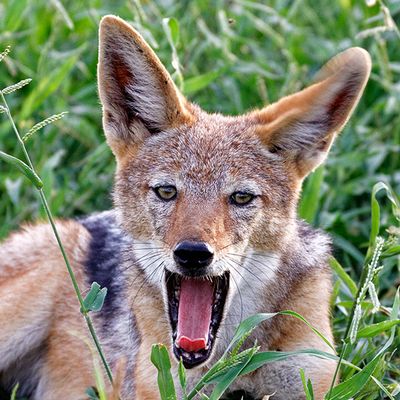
column 196, row 307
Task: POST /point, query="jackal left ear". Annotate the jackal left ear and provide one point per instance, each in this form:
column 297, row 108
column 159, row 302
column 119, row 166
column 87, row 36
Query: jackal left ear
column 302, row 127
column 138, row 95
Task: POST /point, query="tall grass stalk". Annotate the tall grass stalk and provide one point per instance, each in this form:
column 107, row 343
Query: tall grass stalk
column 47, row 209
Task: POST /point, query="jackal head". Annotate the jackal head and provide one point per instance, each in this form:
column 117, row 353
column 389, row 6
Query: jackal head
column 201, row 192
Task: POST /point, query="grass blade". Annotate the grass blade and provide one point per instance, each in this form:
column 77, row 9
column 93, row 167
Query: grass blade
column 160, row 359
column 226, row 380
column 346, row 390
column 316, row 331
column 182, row 377
column 265, row 357
column 343, row 275
column 14, row 392
column 308, row 390
column 47, row 86
column 24, row 168
column 376, row 329
column 199, row 82
column 375, row 211
column 247, row 325
column 309, row 201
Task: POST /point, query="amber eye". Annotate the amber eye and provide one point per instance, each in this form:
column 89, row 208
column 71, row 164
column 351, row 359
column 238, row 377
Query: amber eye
column 165, row 193
column 241, row 198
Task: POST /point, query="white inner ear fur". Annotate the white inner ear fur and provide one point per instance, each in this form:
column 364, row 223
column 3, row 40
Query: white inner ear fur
column 141, row 92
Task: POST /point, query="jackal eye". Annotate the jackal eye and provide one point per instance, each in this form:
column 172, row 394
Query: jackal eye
column 241, row 198
column 165, row 193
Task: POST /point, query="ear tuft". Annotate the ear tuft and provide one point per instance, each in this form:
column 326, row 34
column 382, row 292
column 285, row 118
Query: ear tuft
column 302, row 127
column 138, row 95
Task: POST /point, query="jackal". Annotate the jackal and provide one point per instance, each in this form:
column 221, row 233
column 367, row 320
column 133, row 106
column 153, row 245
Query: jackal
column 203, row 234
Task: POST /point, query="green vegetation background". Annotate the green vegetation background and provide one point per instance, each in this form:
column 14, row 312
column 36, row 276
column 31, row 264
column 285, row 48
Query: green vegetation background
column 233, row 56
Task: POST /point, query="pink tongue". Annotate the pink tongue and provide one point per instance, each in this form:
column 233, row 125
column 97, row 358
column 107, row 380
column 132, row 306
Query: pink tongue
column 194, row 315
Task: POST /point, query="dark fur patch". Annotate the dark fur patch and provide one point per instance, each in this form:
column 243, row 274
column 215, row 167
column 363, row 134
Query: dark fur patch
column 104, row 260
column 105, row 264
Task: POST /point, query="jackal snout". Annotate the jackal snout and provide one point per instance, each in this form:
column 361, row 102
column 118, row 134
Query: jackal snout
column 193, row 257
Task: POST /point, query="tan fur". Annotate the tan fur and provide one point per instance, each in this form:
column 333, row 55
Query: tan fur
column 152, row 324
column 36, row 291
column 161, row 139
column 294, row 334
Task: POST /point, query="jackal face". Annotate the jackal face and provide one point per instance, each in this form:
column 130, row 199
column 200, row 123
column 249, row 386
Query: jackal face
column 199, row 192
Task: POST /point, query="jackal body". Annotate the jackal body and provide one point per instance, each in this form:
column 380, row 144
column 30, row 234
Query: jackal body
column 197, row 196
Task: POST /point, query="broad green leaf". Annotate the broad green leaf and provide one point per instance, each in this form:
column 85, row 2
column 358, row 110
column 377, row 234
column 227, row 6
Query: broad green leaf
column 348, row 247
column 365, row 304
column 343, row 275
column 90, row 297
column 160, row 359
column 24, row 168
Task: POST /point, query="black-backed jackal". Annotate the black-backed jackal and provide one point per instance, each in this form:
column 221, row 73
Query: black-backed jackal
column 203, row 234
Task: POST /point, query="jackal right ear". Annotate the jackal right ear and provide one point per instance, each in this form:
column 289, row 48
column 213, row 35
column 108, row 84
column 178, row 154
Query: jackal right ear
column 138, row 95
column 301, row 127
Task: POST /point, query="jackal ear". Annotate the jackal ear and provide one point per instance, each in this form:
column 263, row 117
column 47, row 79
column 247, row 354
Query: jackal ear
column 302, row 127
column 138, row 95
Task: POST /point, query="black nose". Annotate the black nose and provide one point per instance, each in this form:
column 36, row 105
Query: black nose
column 193, row 255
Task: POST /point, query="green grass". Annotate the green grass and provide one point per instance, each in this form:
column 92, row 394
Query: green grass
column 234, row 56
